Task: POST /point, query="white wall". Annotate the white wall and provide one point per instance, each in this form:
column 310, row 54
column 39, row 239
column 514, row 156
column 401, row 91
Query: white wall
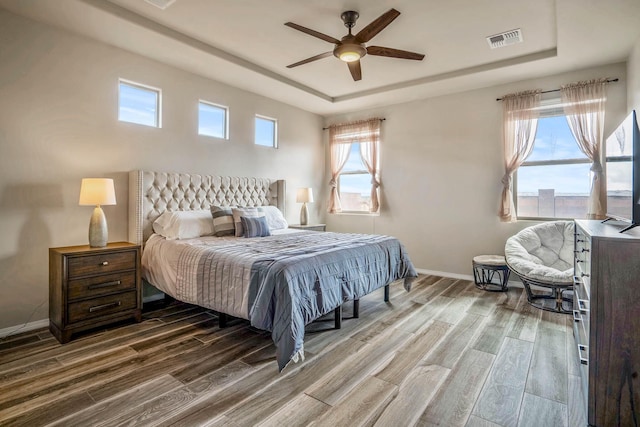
column 633, row 74
column 58, row 124
column 441, row 166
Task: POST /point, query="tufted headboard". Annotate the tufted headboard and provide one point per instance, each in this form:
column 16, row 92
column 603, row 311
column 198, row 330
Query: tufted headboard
column 152, row 193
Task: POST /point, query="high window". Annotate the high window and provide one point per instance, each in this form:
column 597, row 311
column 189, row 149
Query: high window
column 266, row 131
column 554, row 180
column 213, row 120
column 139, row 104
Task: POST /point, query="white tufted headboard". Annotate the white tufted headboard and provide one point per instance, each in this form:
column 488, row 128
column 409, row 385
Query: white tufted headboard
column 152, row 193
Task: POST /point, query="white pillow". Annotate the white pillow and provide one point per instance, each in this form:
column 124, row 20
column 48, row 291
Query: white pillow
column 275, row 219
column 184, row 224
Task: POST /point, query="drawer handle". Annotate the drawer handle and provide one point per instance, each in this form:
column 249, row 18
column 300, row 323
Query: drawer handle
column 583, row 360
column 584, row 275
column 582, row 303
column 104, row 306
column 576, row 316
column 105, row 284
column 105, row 263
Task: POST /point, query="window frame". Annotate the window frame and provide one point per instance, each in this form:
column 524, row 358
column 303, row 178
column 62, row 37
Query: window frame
column 275, row 131
column 355, row 172
column 144, row 87
column 226, row 119
column 548, row 108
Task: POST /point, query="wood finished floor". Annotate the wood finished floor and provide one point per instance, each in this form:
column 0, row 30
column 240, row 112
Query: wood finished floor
column 444, row 354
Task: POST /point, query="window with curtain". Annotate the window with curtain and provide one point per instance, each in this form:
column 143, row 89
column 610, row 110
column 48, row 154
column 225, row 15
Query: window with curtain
column 556, row 150
column 355, row 179
column 354, row 183
column 554, row 180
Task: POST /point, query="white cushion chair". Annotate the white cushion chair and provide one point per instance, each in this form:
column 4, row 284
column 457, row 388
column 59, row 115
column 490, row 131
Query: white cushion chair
column 542, row 257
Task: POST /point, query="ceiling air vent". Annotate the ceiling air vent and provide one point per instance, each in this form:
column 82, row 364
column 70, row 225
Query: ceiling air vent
column 162, row 4
column 505, row 39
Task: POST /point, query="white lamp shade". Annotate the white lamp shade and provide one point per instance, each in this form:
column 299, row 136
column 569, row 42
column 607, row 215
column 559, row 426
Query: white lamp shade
column 97, row 191
column 305, row 195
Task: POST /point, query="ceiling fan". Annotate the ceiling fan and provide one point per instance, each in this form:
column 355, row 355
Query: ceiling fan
column 351, row 48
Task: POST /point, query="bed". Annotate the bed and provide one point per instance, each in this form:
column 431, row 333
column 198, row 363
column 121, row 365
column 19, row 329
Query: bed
column 279, row 282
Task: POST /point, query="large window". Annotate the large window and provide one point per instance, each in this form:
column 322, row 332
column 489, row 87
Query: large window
column 554, row 181
column 212, row 120
column 139, row 104
column 266, row 131
column 354, row 183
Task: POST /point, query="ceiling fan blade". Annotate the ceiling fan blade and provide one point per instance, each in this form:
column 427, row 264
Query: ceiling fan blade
column 369, row 32
column 356, row 71
column 313, row 58
column 312, row 33
column 394, row 53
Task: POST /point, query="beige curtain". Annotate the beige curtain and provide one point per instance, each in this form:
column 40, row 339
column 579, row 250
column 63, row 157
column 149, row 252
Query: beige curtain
column 584, row 108
column 369, row 153
column 520, row 121
column 365, row 132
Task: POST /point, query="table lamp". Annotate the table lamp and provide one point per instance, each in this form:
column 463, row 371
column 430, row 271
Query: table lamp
column 304, row 196
column 97, row 192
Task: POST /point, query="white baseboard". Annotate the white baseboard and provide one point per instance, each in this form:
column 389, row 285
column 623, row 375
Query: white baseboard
column 445, row 274
column 512, row 283
column 18, row 329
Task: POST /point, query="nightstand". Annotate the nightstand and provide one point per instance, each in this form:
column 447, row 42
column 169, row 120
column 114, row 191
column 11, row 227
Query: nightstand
column 93, row 287
column 311, row 227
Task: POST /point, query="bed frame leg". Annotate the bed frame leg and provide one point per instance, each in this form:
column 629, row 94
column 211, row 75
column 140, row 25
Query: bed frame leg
column 356, row 308
column 386, row 293
column 338, row 317
column 223, row 318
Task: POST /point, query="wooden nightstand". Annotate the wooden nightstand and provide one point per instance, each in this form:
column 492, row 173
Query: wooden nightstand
column 311, row 227
column 92, row 287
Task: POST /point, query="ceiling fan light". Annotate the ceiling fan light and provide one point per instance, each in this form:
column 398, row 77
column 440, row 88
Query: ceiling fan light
column 349, row 52
column 349, row 56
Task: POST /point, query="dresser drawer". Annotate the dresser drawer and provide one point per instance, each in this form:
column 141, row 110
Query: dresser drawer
column 95, row 286
column 101, row 263
column 98, row 307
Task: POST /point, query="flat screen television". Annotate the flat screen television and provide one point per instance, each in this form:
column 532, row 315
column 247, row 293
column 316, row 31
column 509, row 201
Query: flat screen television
column 623, row 172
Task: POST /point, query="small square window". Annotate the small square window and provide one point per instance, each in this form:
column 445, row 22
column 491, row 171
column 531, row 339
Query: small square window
column 138, row 104
column 266, row 132
column 212, row 120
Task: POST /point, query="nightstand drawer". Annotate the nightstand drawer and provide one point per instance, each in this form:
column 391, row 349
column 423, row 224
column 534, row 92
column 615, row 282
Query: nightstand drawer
column 91, row 287
column 98, row 307
column 101, row 263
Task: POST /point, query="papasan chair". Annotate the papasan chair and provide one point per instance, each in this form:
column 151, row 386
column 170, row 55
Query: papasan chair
column 542, row 257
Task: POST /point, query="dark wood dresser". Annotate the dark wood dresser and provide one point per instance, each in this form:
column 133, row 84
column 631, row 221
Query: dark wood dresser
column 93, row 287
column 607, row 321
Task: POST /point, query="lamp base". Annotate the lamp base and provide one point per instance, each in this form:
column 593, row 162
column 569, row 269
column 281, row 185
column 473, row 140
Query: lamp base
column 304, row 215
column 98, row 232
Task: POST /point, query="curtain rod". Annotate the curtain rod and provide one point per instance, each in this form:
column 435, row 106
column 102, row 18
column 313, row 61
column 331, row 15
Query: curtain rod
column 382, row 119
column 558, row 90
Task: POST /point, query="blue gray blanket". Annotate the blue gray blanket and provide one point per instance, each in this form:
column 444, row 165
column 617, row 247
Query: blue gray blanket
column 296, row 278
